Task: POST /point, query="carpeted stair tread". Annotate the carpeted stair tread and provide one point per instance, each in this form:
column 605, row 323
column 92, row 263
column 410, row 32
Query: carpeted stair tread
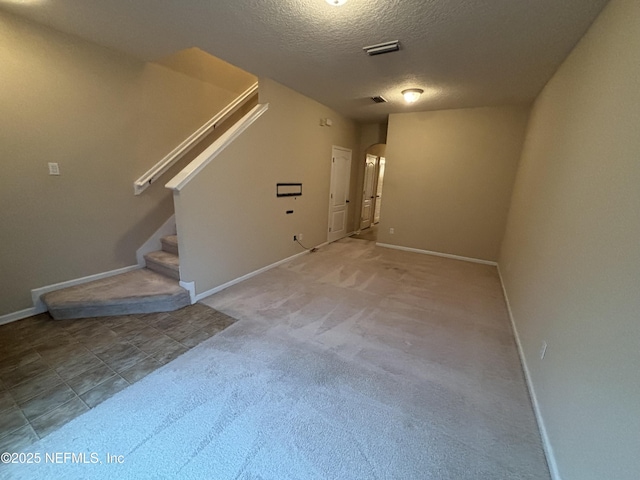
column 164, row 263
column 139, row 291
column 170, row 244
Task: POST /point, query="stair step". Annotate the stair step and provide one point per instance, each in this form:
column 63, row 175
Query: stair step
column 164, row 262
column 139, row 291
column 170, row 244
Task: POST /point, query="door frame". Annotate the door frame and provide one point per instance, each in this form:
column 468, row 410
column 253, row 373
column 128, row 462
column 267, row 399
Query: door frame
column 334, row 149
column 372, row 197
column 377, row 201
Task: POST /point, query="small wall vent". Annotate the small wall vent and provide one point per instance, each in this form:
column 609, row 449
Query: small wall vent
column 380, row 48
column 379, row 99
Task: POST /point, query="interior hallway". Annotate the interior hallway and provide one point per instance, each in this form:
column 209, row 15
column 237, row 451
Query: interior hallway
column 370, row 234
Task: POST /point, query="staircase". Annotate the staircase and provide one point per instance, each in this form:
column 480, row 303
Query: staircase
column 147, row 290
column 156, row 288
column 165, row 261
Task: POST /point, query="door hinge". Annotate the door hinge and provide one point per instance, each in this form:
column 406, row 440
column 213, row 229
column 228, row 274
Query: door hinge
column 329, row 228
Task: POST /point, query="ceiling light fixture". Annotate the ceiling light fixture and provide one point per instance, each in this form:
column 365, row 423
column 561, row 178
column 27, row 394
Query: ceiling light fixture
column 336, row 3
column 412, row 94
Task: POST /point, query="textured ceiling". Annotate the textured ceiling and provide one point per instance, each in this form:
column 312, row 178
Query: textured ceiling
column 463, row 53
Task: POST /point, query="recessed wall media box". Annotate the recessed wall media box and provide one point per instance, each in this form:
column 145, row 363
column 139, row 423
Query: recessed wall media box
column 288, row 189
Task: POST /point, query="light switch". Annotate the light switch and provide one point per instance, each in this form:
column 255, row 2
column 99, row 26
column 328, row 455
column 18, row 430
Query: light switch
column 54, row 169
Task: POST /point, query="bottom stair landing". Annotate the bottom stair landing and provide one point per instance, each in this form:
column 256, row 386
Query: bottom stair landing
column 139, row 291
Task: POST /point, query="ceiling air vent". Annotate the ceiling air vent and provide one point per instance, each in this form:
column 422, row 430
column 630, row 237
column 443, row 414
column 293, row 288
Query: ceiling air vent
column 379, row 99
column 380, row 48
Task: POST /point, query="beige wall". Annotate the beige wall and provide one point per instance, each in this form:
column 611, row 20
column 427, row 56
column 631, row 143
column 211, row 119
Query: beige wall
column 199, row 64
column 230, row 222
column 571, row 254
column 105, row 118
column 372, row 134
column 448, row 179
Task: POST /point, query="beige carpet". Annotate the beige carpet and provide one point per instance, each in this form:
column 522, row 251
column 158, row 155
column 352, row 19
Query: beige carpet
column 137, row 292
column 354, row 362
column 436, row 329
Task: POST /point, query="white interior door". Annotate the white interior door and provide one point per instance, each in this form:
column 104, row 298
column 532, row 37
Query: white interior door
column 367, row 191
column 339, row 193
column 376, row 214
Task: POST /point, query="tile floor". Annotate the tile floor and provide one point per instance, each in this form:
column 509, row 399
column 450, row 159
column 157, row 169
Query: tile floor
column 51, row 371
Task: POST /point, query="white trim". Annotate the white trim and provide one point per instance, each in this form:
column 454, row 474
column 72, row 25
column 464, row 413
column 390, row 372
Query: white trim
column 36, row 293
column 153, row 243
column 332, row 183
column 191, row 288
column 219, row 288
column 181, row 150
column 546, row 443
column 12, row 317
column 438, row 254
column 178, row 182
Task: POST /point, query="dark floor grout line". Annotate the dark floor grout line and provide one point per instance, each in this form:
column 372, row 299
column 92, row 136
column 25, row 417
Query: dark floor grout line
column 29, row 422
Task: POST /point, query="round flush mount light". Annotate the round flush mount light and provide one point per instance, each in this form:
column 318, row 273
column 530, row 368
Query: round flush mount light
column 412, row 94
column 336, row 3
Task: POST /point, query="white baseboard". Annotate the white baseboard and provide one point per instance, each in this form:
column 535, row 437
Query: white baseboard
column 36, row 293
column 219, row 288
column 153, row 244
column 438, row 254
column 191, row 288
column 546, row 444
column 12, row 317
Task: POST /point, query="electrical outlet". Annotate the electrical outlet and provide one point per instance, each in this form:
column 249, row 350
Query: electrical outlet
column 54, row 169
column 543, row 350
column 300, row 236
column 392, row 231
